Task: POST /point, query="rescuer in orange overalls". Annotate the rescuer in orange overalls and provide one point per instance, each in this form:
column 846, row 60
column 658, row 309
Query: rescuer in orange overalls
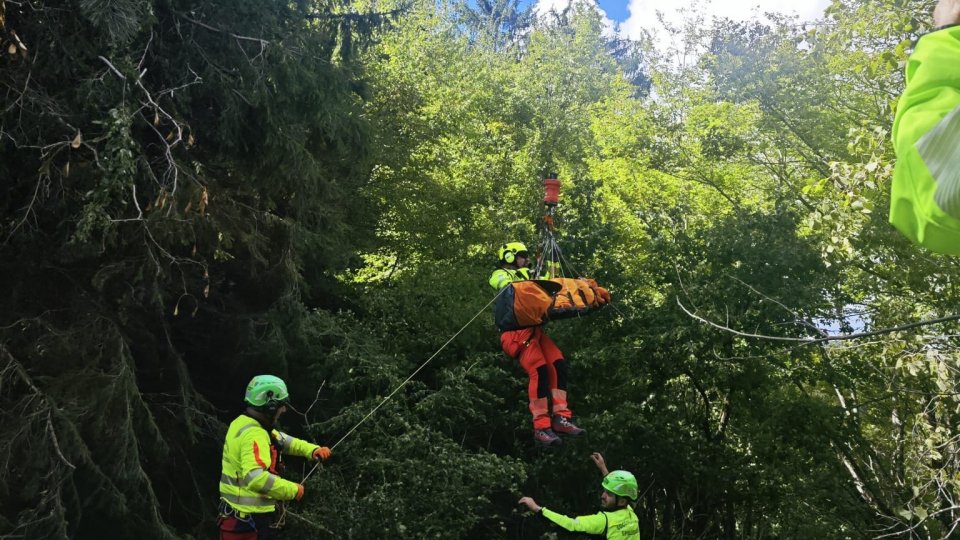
column 539, row 356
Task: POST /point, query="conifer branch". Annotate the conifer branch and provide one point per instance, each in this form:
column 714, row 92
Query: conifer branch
column 354, row 17
column 35, row 393
column 184, row 16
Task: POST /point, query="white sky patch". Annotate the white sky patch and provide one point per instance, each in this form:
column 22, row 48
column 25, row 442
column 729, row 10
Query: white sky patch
column 543, row 7
column 643, row 13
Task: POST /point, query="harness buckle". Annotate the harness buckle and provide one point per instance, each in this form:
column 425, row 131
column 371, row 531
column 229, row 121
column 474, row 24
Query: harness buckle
column 227, row 510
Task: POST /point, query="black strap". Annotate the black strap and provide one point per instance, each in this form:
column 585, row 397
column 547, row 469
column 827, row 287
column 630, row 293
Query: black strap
column 277, row 466
column 529, row 339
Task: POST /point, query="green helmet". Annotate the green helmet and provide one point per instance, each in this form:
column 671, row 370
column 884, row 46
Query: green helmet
column 508, row 252
column 621, row 484
column 266, row 390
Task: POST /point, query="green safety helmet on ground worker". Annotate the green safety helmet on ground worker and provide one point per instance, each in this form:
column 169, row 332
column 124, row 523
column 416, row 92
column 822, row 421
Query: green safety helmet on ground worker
column 621, row 484
column 266, row 391
column 508, row 252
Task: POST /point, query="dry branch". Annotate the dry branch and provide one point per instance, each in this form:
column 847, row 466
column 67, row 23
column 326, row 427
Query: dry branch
column 821, row 339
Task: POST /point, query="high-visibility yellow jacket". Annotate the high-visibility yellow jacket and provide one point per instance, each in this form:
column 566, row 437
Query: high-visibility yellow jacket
column 249, row 480
column 502, row 277
column 620, row 524
column 926, row 140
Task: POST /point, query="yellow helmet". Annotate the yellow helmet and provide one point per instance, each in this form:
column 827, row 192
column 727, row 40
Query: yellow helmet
column 508, row 252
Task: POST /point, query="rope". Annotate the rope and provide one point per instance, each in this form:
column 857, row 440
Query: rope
column 548, row 246
column 408, row 379
column 564, row 263
column 544, row 248
column 575, row 271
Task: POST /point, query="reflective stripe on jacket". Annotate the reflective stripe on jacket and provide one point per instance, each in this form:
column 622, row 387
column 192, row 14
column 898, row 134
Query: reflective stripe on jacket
column 502, row 277
column 249, row 479
column 619, row 525
column 931, row 93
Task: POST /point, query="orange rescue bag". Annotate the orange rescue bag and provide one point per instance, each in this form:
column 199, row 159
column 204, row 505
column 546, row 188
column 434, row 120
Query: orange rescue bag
column 533, row 302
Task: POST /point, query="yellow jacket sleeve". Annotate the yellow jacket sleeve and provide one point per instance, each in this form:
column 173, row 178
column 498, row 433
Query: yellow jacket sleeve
column 931, row 93
column 933, row 86
column 500, row 279
column 294, row 446
column 255, row 464
column 594, row 524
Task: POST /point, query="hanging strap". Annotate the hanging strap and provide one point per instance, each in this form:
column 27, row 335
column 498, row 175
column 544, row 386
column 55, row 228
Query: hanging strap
column 526, row 344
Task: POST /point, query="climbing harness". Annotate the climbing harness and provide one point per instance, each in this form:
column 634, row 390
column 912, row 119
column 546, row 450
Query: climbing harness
column 242, row 521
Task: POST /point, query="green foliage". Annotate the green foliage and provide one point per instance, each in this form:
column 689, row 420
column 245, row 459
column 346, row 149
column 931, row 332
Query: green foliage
column 164, row 163
column 119, row 20
column 201, row 191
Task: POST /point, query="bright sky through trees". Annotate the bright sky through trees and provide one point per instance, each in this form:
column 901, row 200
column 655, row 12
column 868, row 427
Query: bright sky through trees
column 633, row 16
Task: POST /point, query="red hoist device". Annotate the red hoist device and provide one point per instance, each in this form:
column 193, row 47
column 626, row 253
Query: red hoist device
column 549, row 249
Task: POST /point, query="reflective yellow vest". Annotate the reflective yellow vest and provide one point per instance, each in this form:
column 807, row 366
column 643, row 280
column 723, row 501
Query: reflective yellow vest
column 621, row 524
column 249, row 481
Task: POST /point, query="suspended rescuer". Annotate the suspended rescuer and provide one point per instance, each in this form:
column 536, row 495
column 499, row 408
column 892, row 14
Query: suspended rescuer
column 539, row 356
column 616, row 520
column 250, row 482
column 925, row 194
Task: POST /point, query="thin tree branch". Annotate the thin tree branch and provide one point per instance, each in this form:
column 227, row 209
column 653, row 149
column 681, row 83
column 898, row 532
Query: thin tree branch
column 185, row 17
column 113, row 68
column 812, row 340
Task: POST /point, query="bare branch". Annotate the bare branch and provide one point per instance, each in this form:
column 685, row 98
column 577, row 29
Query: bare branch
column 184, row 16
column 113, row 68
column 56, row 443
column 822, row 339
column 28, row 211
column 316, row 399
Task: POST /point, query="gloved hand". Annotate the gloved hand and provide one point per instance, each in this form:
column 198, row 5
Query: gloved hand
column 299, row 492
column 322, row 453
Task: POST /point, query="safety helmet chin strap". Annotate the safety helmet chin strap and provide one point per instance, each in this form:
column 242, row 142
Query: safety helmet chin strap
column 266, row 414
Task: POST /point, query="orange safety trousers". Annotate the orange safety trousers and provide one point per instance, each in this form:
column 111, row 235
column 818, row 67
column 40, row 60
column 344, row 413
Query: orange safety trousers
column 546, row 368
